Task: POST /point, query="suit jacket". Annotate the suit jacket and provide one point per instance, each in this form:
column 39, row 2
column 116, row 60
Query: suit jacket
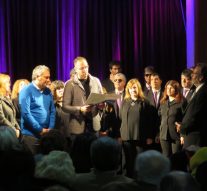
column 111, row 121
column 195, row 119
column 7, row 113
column 108, row 85
column 74, row 97
column 190, row 93
column 155, row 118
column 170, row 112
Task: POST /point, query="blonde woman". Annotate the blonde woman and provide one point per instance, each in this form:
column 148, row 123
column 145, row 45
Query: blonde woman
column 7, row 110
column 136, row 128
column 17, row 87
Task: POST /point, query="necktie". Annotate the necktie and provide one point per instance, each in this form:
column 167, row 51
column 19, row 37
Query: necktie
column 119, row 102
column 155, row 98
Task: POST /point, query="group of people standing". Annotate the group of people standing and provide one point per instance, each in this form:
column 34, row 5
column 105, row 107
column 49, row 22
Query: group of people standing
column 143, row 117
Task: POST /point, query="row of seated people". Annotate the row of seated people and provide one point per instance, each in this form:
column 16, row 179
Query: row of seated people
column 52, row 168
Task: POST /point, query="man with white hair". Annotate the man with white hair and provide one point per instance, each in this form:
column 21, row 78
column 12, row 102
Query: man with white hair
column 37, row 108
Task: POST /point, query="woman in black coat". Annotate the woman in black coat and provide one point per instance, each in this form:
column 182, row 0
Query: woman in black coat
column 170, row 112
column 136, row 128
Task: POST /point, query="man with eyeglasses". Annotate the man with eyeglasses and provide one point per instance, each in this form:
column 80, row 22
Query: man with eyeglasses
column 111, row 122
column 83, row 118
column 114, row 68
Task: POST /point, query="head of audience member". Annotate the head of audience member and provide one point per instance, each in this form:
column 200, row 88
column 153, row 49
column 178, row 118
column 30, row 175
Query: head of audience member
column 199, row 74
column 8, row 139
column 134, row 90
column 199, row 157
column 57, row 166
column 5, row 85
column 52, row 140
column 151, row 166
column 41, row 76
column 72, row 73
column 16, row 170
column 172, row 89
column 178, row 181
column 179, row 161
column 105, row 154
column 81, row 68
column 80, row 152
column 114, row 67
column 201, row 175
column 119, row 82
column 18, row 86
column 57, row 89
column 148, row 71
column 156, row 81
column 186, row 79
column 191, row 150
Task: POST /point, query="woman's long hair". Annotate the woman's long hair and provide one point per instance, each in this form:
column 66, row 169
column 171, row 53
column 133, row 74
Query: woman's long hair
column 15, row 89
column 3, row 78
column 129, row 85
column 178, row 94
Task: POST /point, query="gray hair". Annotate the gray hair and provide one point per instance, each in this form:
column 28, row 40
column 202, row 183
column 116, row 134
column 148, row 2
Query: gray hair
column 57, row 165
column 122, row 76
column 151, row 166
column 38, row 71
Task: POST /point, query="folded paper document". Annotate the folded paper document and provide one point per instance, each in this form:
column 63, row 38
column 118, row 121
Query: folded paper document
column 95, row 98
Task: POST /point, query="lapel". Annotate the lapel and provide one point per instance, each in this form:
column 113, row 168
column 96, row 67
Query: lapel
column 9, row 103
column 197, row 94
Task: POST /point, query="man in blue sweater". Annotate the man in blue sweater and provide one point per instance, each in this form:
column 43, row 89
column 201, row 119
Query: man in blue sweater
column 37, row 108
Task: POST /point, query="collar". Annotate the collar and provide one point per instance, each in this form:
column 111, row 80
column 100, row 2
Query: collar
column 119, row 92
column 37, row 86
column 148, row 86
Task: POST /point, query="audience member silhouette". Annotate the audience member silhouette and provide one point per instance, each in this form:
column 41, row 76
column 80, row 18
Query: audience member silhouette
column 151, row 166
column 105, row 155
column 178, row 181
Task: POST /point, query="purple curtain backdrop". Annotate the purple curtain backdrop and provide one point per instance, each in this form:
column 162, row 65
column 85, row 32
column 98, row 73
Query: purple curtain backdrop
column 5, row 48
column 54, row 32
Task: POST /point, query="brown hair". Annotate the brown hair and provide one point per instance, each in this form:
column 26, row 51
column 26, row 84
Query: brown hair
column 15, row 89
column 177, row 87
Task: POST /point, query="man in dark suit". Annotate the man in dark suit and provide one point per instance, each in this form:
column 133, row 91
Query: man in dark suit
column 186, row 83
column 194, row 124
column 154, row 96
column 111, row 122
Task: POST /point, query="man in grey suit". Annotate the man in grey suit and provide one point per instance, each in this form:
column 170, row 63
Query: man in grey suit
column 194, row 123
column 83, row 118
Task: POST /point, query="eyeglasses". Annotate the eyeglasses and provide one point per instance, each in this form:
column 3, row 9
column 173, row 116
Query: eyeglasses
column 148, row 75
column 118, row 80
